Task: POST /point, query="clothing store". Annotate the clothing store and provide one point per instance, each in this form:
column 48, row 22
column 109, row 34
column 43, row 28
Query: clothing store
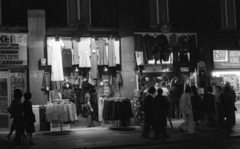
column 13, row 72
column 83, row 79
column 226, row 69
column 165, row 57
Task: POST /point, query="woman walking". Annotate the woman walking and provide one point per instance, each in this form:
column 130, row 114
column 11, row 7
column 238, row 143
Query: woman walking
column 29, row 118
column 186, row 110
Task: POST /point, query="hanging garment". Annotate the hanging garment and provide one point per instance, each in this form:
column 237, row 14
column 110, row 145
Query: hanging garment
column 75, row 52
column 67, row 58
column 94, row 62
column 49, row 51
column 68, row 45
column 102, row 52
column 84, row 53
column 193, row 52
column 119, row 78
column 111, row 53
column 147, row 48
column 202, row 74
column 57, row 68
column 46, row 81
column 173, row 40
column 139, row 58
column 183, row 58
column 183, row 42
column 117, row 50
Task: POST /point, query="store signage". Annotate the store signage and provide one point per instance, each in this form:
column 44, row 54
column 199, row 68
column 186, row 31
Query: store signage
column 43, row 62
column 226, row 59
column 13, row 49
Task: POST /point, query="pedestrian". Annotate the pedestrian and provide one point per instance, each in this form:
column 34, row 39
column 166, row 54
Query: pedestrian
column 160, row 112
column 88, row 109
column 175, row 95
column 17, row 114
column 186, row 110
column 196, row 106
column 148, row 112
column 220, row 110
column 29, row 118
column 233, row 98
column 209, row 109
column 229, row 109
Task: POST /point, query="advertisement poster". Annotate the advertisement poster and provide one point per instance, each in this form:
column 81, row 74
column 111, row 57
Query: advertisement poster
column 226, row 59
column 13, row 49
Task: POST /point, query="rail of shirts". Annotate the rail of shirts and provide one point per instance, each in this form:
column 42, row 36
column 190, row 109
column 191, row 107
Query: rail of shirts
column 61, row 110
column 85, row 52
column 118, row 108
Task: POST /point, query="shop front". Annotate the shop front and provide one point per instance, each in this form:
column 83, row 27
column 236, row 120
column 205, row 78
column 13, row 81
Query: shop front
column 13, row 72
column 226, row 69
column 165, row 59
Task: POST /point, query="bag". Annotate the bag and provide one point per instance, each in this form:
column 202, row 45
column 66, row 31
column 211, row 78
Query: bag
column 10, row 109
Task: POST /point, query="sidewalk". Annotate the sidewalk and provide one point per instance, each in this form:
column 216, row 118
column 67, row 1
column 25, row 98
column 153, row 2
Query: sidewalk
column 108, row 138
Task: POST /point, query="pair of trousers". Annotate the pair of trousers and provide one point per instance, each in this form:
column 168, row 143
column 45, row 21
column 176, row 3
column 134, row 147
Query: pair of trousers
column 19, row 126
column 176, row 108
column 187, row 125
column 229, row 123
column 148, row 123
column 205, row 120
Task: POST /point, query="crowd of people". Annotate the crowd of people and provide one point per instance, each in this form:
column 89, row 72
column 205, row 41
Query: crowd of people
column 212, row 109
column 23, row 118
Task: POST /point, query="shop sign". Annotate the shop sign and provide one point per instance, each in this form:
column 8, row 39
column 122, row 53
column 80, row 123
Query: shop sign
column 226, row 59
column 13, row 49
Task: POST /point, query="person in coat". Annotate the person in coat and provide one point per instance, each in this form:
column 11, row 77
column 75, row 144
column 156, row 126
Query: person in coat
column 229, row 109
column 209, row 109
column 196, row 106
column 160, row 112
column 29, row 118
column 148, row 112
column 17, row 114
column 186, row 110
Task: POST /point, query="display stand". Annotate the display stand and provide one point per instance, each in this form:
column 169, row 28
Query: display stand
column 58, row 125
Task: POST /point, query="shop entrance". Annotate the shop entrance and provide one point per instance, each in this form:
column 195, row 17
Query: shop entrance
column 10, row 79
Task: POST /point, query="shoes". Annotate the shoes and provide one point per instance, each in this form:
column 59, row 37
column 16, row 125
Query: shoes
column 31, row 143
column 181, row 129
column 145, row 137
column 7, row 137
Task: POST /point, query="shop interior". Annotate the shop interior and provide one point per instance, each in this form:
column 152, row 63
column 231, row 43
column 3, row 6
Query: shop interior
column 74, row 66
column 227, row 76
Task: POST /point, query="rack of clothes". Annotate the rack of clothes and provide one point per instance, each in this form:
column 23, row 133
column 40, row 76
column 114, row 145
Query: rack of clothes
column 62, row 111
column 172, row 48
column 117, row 109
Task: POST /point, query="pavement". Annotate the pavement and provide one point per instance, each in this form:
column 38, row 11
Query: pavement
column 106, row 138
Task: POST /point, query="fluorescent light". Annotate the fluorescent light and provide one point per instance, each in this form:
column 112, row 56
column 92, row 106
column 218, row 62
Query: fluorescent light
column 218, row 73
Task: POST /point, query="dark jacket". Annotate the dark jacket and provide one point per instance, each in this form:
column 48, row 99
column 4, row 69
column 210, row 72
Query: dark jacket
column 226, row 102
column 28, row 112
column 196, row 102
column 209, row 103
column 148, row 106
column 17, row 108
column 160, row 110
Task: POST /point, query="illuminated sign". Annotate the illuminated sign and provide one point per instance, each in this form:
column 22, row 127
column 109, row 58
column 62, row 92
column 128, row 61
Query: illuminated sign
column 226, row 59
column 13, row 49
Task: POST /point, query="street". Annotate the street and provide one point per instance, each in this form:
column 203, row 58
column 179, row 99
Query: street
column 230, row 144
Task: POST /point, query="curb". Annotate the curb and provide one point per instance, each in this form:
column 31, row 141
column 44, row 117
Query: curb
column 154, row 144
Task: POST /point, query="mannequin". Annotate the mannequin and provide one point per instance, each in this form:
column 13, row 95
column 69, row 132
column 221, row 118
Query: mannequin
column 67, row 92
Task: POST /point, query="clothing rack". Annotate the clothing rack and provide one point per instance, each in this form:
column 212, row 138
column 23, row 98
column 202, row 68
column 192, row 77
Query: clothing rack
column 58, row 101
